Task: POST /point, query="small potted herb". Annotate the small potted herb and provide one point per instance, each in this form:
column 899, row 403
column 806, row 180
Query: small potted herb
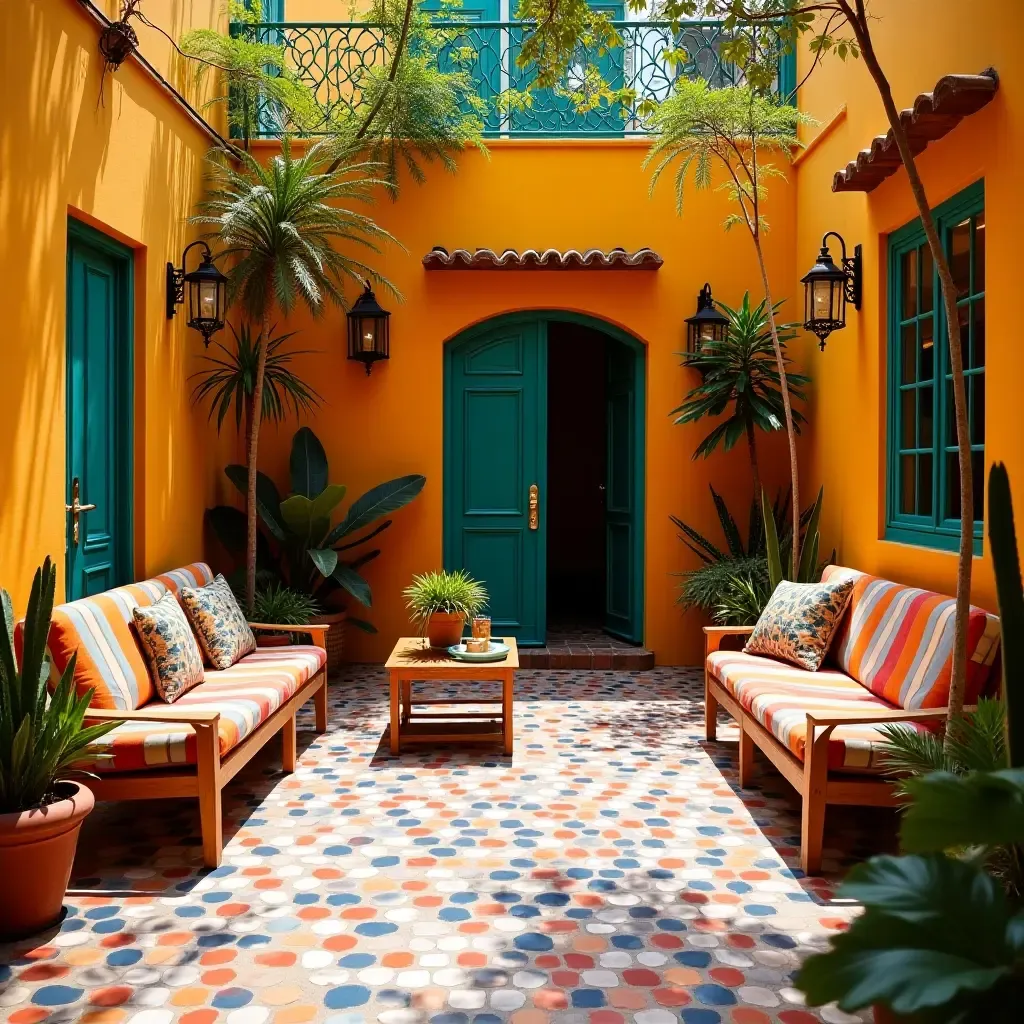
column 440, row 602
column 42, row 743
column 280, row 605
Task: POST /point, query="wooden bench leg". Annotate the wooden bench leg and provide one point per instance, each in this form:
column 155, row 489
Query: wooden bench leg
column 710, row 710
column 208, row 779
column 320, row 705
column 812, row 824
column 289, row 742
column 746, row 758
column 508, row 712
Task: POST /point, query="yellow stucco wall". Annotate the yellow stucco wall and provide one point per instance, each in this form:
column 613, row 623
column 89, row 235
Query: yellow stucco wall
column 129, row 165
column 536, row 195
column 918, row 42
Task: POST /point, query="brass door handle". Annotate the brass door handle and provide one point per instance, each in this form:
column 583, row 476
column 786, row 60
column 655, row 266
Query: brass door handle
column 534, row 506
column 76, row 508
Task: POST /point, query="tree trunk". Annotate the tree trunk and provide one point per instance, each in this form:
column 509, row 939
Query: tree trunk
column 752, row 447
column 794, row 469
column 251, row 457
column 958, row 682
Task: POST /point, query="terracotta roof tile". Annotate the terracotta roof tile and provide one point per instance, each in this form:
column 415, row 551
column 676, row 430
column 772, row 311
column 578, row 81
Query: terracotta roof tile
column 440, row 258
column 933, row 115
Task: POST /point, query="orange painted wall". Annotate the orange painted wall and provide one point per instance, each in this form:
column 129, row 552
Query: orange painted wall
column 131, row 166
column 848, row 441
column 536, row 194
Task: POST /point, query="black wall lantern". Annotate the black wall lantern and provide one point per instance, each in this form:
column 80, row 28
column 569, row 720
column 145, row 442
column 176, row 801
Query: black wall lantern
column 368, row 330
column 206, row 289
column 707, row 324
column 828, row 288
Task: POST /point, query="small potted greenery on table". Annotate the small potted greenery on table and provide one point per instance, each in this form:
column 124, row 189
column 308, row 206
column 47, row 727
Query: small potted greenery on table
column 42, row 742
column 440, row 602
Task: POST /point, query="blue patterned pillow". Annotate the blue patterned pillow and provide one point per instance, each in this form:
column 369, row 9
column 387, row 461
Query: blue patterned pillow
column 175, row 664
column 220, row 626
column 800, row 620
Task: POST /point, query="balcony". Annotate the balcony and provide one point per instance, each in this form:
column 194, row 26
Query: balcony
column 334, row 58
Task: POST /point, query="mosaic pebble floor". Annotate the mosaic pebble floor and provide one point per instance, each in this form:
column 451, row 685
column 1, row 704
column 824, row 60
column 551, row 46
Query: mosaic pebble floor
column 609, row 873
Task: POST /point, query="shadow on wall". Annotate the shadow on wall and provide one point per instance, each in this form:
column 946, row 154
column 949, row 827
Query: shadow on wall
column 128, row 162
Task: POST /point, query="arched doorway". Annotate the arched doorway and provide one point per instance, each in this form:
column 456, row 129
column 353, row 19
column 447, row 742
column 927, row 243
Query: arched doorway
column 544, row 471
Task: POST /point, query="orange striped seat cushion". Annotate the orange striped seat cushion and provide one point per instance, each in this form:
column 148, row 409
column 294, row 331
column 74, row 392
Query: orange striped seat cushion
column 100, row 629
column 246, row 694
column 898, row 642
column 779, row 696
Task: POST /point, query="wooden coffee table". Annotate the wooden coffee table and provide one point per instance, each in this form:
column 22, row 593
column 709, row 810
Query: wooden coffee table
column 413, row 660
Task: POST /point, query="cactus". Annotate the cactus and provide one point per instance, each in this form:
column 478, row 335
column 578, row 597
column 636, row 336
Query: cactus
column 1002, row 537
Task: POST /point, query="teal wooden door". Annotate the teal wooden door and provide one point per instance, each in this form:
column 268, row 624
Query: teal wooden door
column 98, row 411
column 495, row 452
column 624, row 494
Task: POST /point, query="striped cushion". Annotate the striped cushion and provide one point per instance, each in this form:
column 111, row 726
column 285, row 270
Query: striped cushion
column 99, row 628
column 198, row 574
column 109, row 658
column 245, row 694
column 779, row 696
column 898, row 642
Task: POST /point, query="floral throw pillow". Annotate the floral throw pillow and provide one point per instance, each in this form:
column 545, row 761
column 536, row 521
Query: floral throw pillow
column 175, row 664
column 799, row 622
column 220, row 626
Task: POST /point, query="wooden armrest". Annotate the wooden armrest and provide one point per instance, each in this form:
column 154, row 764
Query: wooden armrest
column 197, row 716
column 876, row 717
column 312, row 629
column 714, row 635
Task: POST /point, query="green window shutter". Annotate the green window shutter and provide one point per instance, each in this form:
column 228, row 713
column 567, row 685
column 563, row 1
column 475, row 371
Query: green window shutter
column 923, row 493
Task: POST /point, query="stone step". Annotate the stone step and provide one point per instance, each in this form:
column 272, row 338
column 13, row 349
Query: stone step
column 616, row 657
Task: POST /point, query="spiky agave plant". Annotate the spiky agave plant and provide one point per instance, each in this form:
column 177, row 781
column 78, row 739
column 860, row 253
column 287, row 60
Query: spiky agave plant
column 42, row 741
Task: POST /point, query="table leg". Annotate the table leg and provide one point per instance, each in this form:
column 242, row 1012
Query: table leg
column 395, row 716
column 507, row 723
column 406, row 701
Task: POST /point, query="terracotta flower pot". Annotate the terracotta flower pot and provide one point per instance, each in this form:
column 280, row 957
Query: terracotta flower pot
column 273, row 639
column 445, row 628
column 37, row 849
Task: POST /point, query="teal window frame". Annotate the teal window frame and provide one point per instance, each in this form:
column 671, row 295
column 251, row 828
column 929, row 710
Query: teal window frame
column 931, row 528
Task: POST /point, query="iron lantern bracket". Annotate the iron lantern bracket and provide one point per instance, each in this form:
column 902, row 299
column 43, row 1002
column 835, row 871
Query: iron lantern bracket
column 176, row 278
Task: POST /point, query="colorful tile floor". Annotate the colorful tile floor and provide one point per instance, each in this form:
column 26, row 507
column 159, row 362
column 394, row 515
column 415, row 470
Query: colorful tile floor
column 608, row 873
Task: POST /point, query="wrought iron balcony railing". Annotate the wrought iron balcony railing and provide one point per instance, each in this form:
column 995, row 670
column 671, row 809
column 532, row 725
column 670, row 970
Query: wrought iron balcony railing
column 334, row 58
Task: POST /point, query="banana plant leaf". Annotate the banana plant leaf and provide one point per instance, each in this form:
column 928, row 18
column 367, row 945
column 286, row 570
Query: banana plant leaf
column 268, row 498
column 308, row 464
column 379, row 501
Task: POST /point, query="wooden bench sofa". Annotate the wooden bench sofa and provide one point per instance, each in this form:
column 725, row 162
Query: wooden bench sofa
column 195, row 746
column 890, row 662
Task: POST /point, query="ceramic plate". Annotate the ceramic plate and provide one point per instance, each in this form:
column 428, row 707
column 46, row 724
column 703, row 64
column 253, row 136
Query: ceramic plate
column 498, row 652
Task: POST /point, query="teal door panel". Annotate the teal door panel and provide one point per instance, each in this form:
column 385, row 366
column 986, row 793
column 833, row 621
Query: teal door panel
column 624, row 508
column 495, row 451
column 98, row 411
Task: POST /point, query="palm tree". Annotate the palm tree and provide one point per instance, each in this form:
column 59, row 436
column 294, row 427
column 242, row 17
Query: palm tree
column 741, row 372
column 733, row 130
column 227, row 381
column 279, row 224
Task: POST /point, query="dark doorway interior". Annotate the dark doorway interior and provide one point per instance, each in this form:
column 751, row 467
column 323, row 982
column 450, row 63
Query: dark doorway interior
column 577, row 468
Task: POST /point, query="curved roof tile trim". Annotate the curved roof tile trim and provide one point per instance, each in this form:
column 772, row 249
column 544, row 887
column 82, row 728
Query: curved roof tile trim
column 933, row 115
column 440, row 258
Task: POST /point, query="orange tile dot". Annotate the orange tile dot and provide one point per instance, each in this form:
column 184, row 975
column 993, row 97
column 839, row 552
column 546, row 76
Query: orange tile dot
column 397, row 960
column 339, row 943
column 276, row 958
column 295, row 1014
column 199, row 1017
column 112, row 995
column 30, row 1015
column 108, row 1016
column 280, row 995
column 43, row 972
column 218, row 977
column 194, row 995
column 174, row 939
column 218, row 956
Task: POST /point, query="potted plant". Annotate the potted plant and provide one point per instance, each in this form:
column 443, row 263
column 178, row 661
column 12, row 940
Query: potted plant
column 298, row 543
column 941, row 938
column 440, row 602
column 41, row 743
column 278, row 604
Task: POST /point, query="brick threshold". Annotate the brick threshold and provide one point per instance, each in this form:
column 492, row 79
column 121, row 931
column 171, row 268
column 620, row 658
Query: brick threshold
column 620, row 659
